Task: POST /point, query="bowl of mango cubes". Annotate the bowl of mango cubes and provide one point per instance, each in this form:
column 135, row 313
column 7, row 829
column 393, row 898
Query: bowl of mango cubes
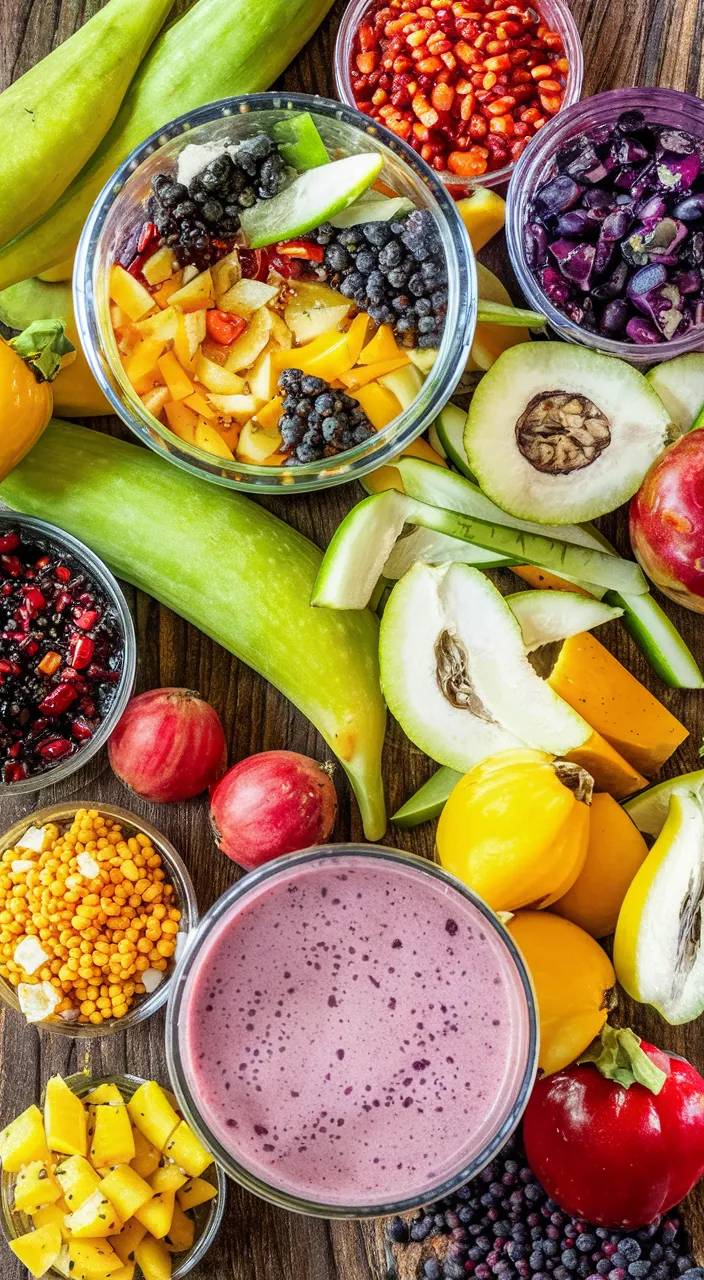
column 107, row 1181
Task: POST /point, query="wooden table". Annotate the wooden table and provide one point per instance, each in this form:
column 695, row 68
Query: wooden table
column 626, row 42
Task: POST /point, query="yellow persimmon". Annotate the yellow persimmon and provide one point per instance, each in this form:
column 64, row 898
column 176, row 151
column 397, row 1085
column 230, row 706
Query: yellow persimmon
column 615, row 852
column 28, row 363
column 515, row 829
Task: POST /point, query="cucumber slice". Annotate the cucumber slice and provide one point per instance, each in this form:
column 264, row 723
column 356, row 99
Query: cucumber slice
column 680, row 385
column 435, row 441
column 428, row 801
column 658, row 638
column 424, row 546
column 311, row 198
column 299, row 142
column 450, row 425
column 498, row 313
column 360, row 547
column 649, row 809
column 374, row 206
column 547, row 616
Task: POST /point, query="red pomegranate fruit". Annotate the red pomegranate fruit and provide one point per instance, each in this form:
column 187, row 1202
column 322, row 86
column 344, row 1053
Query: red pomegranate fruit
column 169, row 745
column 667, row 522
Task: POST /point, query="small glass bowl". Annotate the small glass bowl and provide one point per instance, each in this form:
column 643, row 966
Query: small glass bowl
column 122, row 691
column 208, row 1218
column 526, row 1045
column 537, row 165
column 119, row 210
column 555, row 12
column 186, row 901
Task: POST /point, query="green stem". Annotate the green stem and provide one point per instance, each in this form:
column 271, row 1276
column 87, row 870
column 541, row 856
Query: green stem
column 43, row 344
column 618, row 1055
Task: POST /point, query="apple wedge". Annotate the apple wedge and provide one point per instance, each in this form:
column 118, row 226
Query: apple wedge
column 455, row 674
column 312, row 198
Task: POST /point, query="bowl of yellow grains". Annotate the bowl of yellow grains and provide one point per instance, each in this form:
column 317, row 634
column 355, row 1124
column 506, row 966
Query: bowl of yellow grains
column 95, row 910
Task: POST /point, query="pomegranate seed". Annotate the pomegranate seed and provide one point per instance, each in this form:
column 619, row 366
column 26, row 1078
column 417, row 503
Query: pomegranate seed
column 54, row 749
column 61, row 601
column 14, row 772
column 5, row 666
column 86, row 618
column 99, row 673
column 34, row 599
column 8, row 542
column 62, row 573
column 59, row 700
column 81, row 730
column 11, row 565
column 42, row 562
column 80, row 651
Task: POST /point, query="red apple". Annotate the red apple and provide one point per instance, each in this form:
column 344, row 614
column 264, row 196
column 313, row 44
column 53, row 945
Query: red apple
column 667, row 522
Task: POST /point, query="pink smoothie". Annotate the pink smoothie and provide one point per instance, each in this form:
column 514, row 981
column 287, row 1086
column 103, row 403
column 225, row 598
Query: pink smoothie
column 354, row 1031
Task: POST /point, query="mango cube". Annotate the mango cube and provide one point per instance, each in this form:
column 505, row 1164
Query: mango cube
column 146, row 1156
column 196, row 295
column 195, row 1192
column 159, row 267
column 38, row 1250
column 380, row 405
column 383, row 346
column 209, row 439
column 188, row 1151
column 35, row 1187
column 104, row 1093
column 153, row 1114
column 24, row 1140
column 129, row 294
column 65, row 1119
column 142, row 361
column 200, row 405
column 92, row 1260
column 154, row 1259
column 126, row 1191
column 176, row 378
column 181, row 1232
column 95, row 1218
column 157, row 1213
column 52, row 1215
column 126, row 1241
column 78, row 1180
column 182, row 420
column 362, row 375
column 357, row 335
column 168, row 1178
column 163, row 324
column 112, row 1141
column 483, row 214
column 269, row 414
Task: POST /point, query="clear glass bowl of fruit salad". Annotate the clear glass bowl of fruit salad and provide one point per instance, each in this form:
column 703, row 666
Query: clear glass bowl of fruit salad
column 275, row 291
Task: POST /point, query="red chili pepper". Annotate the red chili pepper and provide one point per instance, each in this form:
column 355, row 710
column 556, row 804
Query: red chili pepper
column 618, row 1138
column 223, row 327
column 301, row 249
column 150, row 233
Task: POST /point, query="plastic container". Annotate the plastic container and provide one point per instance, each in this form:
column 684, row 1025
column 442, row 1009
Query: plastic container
column 119, row 208
column 504, row 1115
column 556, row 14
column 536, row 166
column 208, row 1217
column 186, row 901
column 122, row 691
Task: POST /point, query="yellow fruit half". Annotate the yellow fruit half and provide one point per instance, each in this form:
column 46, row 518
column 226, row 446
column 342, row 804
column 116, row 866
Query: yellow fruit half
column 615, row 852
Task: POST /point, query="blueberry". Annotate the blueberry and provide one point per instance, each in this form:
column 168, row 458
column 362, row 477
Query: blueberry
column 377, row 233
column 312, row 386
column 361, row 433
column 365, row 262
column 423, row 307
column 376, row 287
column 324, row 233
column 417, row 284
column 390, row 256
column 629, row 1249
column 401, row 303
column 426, row 325
column 170, row 193
column 586, row 1242
column 398, row 1231
column 397, row 278
column 431, row 1269
column 330, row 428
column 247, row 197
column 324, row 403
column 290, row 429
column 350, row 237
column 352, row 284
column 639, row 1269
column 212, row 210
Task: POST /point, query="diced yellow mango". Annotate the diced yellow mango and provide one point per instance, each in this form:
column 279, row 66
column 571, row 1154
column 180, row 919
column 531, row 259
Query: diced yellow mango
column 269, row 414
column 188, row 1151
column 126, row 1241
column 163, row 295
column 181, row 1232
column 255, row 445
column 176, row 378
column 207, row 437
column 153, row 1114
column 125, row 1273
column 146, row 1157
column 331, row 362
column 78, row 1180
column 249, row 346
column 52, row 1215
column 163, row 324
column 143, row 359
column 383, row 346
column 104, row 1093
column 357, row 335
column 35, row 1187
column 38, row 1250
column 263, row 378
column 92, row 1260
column 380, row 405
column 129, row 294
column 483, row 214
column 155, row 400
column 95, row 1218
column 112, row 1141
column 159, row 267
column 363, row 375
column 154, row 1259
column 157, row 1213
column 241, row 408
column 168, row 1178
column 190, row 332
column 198, row 403
column 126, row 1191
column 216, row 378
column 196, row 295
column 24, row 1140
column 195, row 1192
column 182, row 420
column 286, row 359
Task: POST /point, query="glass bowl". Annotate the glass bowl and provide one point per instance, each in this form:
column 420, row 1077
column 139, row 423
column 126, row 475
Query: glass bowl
column 178, row 875
column 122, row 691
column 494, row 1127
column 119, row 209
column 208, row 1217
column 536, row 165
column 555, row 12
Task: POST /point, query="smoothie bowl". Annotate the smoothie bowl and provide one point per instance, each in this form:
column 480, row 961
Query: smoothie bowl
column 276, row 291
column 352, row 1033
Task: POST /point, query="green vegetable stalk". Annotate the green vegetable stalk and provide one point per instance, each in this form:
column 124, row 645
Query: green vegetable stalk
column 219, row 48
column 230, row 567
column 54, row 116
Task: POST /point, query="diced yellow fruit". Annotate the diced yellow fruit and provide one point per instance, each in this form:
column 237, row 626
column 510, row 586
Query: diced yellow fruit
column 176, row 379
column 483, row 214
column 357, row 335
column 364, row 374
column 249, row 346
column 126, row 1191
column 155, row 400
column 280, row 332
column 314, row 310
column 491, row 340
column 125, row 1273
column 23, row 1140
column 207, row 437
column 38, row 1250
column 127, row 340
column 182, row 421
column 154, row 1259
column 159, row 267
column 190, row 332
column 161, row 325
column 389, row 476
column 126, row 1241
column 188, row 1151
column 52, row 1215
column 35, row 1187
column 92, row 1260
column 143, row 359
column 196, row 295
column 383, row 346
column 153, row 1114
column 242, row 408
column 95, row 1218
column 195, row 1192
column 105, row 1093
column 168, row 1178
column 117, row 316
column 333, row 361
column 423, row 358
column 129, row 294
column 269, row 414
column 380, row 405
column 146, row 1157
column 255, row 445
column 112, row 1141
column 284, row 359
column 157, row 1213
column 78, row 1180
column 230, row 433
column 163, row 295
column 225, row 273
column 198, row 403
column 405, row 384
column 247, row 296
column 216, row 378
column 263, row 377
column 181, row 1232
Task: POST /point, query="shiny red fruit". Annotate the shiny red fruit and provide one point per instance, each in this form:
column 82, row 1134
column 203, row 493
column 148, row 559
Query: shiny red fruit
column 667, row 522
column 169, row 745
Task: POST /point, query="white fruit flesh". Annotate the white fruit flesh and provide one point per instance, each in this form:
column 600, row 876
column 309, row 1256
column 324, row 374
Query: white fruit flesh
column 428, row 547
column 680, row 385
column 312, row 198
column 546, row 616
column 649, row 809
column 373, row 206
column 359, row 548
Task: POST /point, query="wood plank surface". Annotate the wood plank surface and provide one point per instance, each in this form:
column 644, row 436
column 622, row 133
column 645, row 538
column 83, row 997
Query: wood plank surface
column 643, row 41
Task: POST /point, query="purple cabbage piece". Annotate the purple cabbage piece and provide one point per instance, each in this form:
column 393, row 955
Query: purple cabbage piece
column 647, row 180
column 576, row 261
column 614, row 318
column 691, row 209
column 631, row 121
column 642, row 332
column 576, row 222
column 677, row 142
column 688, row 281
column 597, row 198
column 614, row 285
column 557, row 196
column 616, row 225
column 661, row 301
column 581, row 313
column 602, row 135
column 694, row 315
column 555, row 288
column 535, row 245
column 645, row 280
column 677, row 173
column 653, row 207
column 577, row 158
column 604, row 256
column 629, row 152
column 600, row 171
column 625, row 178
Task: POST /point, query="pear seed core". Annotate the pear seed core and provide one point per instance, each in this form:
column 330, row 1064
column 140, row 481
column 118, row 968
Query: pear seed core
column 562, row 431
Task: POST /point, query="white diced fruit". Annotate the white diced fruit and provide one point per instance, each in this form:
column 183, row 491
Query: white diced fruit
column 152, row 978
column 21, row 864
column 37, row 1001
column 30, row 955
column 33, row 838
column 87, row 866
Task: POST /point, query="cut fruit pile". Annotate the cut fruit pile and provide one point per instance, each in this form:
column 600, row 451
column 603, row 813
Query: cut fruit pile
column 108, row 1184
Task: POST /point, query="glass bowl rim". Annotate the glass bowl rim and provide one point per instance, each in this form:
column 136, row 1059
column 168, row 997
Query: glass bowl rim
column 187, row 903
column 123, row 692
column 396, row 436
column 253, row 1182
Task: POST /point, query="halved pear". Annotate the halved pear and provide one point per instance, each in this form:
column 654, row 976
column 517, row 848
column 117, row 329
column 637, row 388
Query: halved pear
column 455, row 674
column 658, row 947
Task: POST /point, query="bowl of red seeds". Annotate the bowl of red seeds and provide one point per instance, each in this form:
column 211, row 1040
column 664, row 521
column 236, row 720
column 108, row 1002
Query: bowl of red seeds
column 467, row 84
column 67, row 654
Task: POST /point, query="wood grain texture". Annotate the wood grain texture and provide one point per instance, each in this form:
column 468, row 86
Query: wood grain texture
column 645, row 41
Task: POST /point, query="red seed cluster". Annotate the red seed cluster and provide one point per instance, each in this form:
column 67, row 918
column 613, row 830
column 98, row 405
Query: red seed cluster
column 466, row 84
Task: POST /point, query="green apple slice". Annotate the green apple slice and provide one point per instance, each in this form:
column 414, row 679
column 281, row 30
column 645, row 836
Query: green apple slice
column 680, row 385
column 450, row 424
column 649, row 809
column 547, row 616
column 374, row 206
column 428, row 801
column 658, row 947
column 500, row 313
column 312, row 198
column 455, row 674
column 428, row 547
column 299, row 142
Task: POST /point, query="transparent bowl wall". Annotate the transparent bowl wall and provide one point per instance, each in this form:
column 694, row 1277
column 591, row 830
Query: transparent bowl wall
column 556, row 14
column 119, row 209
column 177, row 874
column 537, row 165
column 208, row 1217
column 123, row 690
column 189, row 1103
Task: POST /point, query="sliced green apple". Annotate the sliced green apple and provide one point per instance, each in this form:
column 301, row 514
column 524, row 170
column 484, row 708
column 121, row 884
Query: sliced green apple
column 313, row 197
column 649, row 809
column 428, row 801
column 450, row 424
column 455, row 674
column 373, row 206
column 299, row 142
column 680, row 385
column 547, row 616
